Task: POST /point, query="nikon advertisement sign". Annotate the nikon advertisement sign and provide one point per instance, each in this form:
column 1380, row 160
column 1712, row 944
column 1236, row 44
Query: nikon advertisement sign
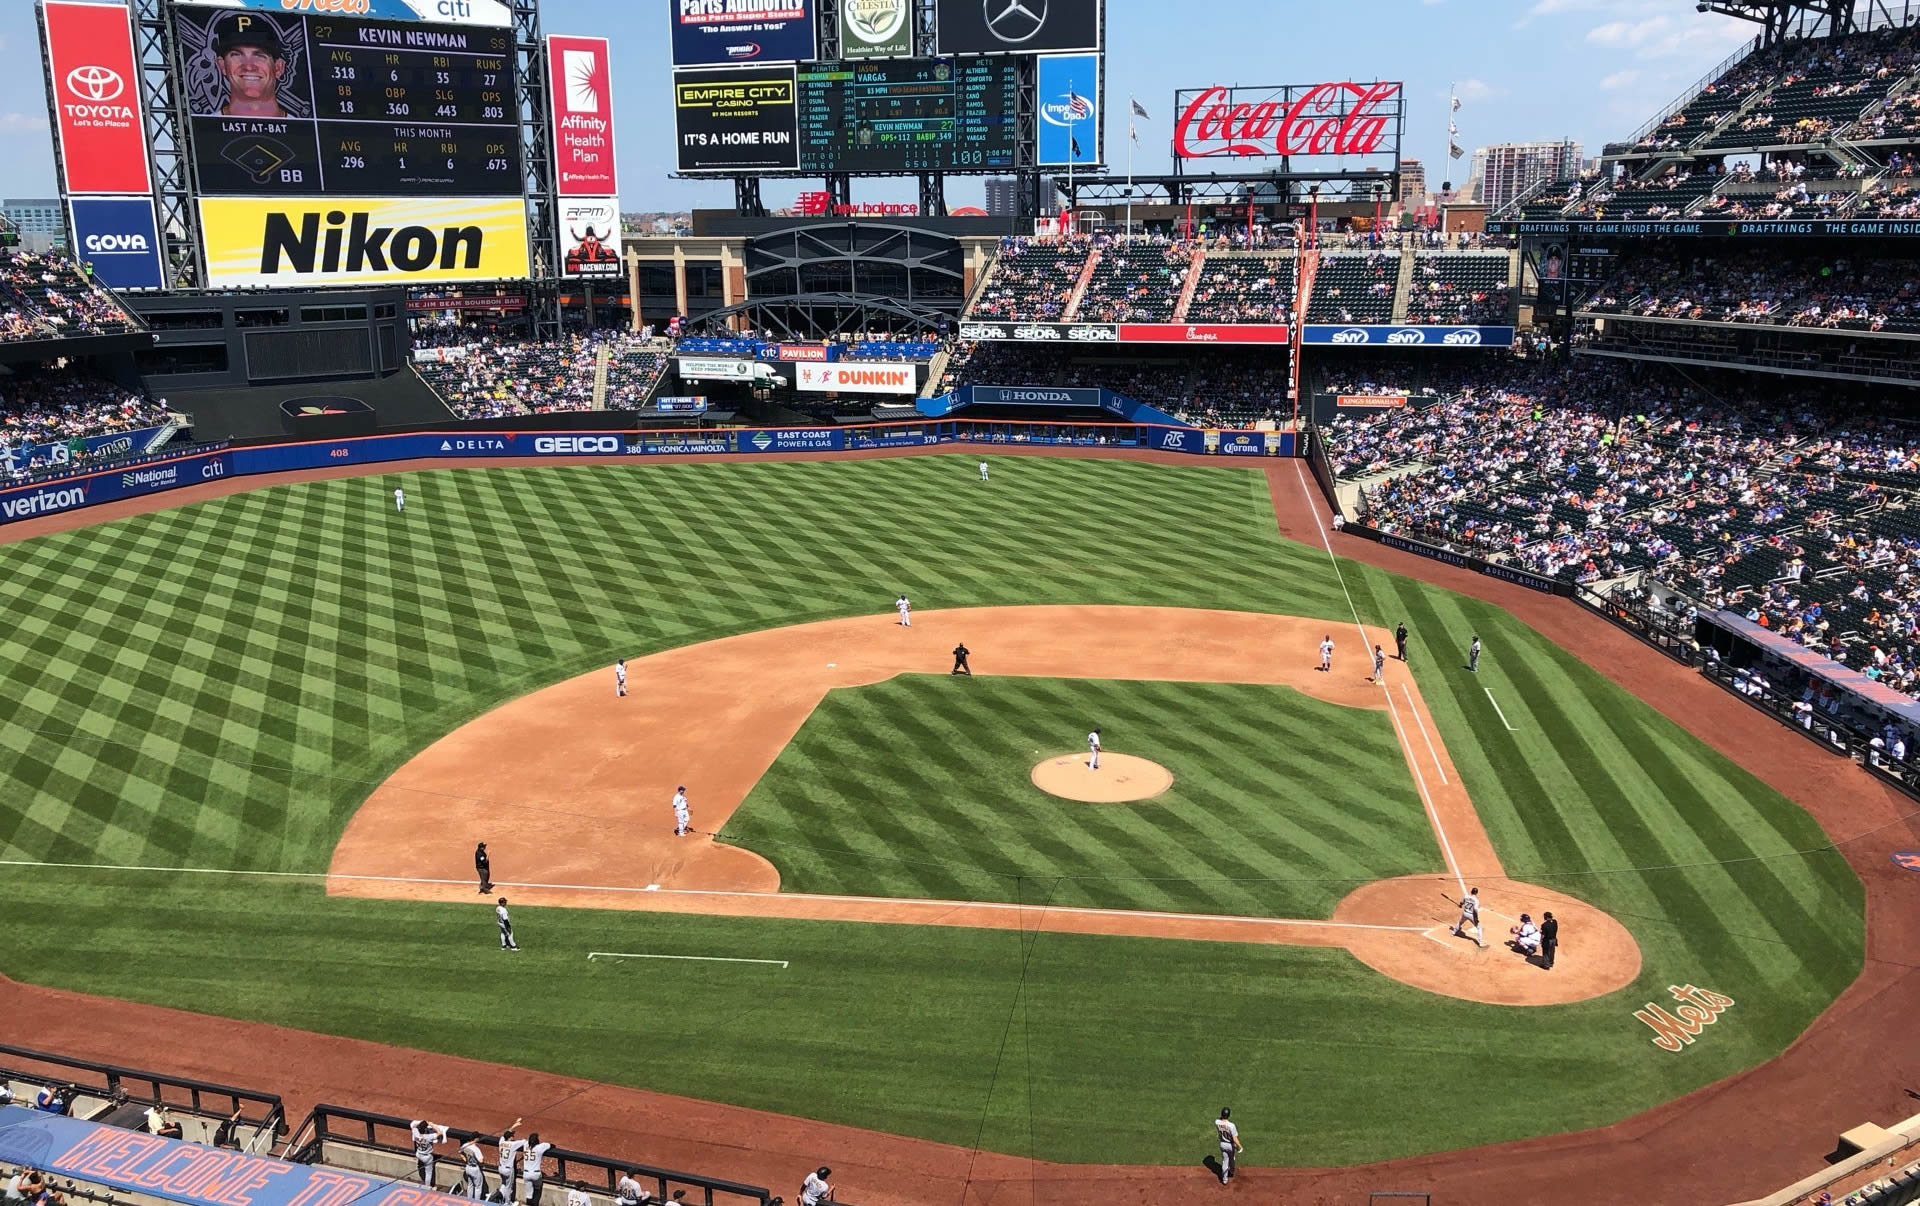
column 297, row 244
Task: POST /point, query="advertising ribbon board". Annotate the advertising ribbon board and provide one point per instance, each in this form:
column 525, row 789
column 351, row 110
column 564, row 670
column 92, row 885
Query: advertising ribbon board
column 438, row 12
column 1176, row 332
column 95, row 84
column 849, row 377
column 255, row 243
column 1069, row 91
column 1407, row 336
column 1042, row 332
column 710, row 33
column 582, row 85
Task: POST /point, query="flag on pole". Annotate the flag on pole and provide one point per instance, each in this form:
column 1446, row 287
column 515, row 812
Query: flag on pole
column 1139, row 110
column 1454, row 151
column 1076, row 147
column 1131, row 131
column 1456, row 103
column 1453, row 127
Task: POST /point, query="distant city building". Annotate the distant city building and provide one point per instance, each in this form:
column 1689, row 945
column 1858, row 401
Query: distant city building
column 1507, row 169
column 40, row 220
column 1003, row 196
column 1413, row 182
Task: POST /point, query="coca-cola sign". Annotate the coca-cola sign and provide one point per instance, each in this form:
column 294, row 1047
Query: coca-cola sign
column 1342, row 118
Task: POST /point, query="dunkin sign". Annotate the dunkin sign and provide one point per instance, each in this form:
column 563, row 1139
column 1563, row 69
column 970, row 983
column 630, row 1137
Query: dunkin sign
column 1294, row 119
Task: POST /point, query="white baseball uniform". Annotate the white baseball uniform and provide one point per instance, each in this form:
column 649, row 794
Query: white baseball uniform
column 619, row 679
column 425, row 1135
column 1379, row 664
column 983, row 471
column 1093, row 750
column 533, row 1169
column 1229, row 1145
column 814, row 1191
column 680, row 822
column 906, row 611
column 577, row 1196
column 509, row 1149
column 1326, row 654
column 506, row 928
column 475, row 1181
column 1470, row 916
column 628, row 1191
column 399, row 499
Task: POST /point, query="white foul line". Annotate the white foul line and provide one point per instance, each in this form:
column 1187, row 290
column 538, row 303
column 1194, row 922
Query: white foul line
column 1497, row 711
column 656, row 889
column 1420, row 780
column 1408, row 691
column 592, row 955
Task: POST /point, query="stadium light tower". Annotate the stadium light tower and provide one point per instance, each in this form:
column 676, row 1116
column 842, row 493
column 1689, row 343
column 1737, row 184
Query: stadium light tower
column 1775, row 16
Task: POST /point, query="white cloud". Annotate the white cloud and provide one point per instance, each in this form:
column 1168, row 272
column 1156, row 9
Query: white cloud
column 1619, row 79
column 1622, row 35
column 1474, row 89
column 15, row 122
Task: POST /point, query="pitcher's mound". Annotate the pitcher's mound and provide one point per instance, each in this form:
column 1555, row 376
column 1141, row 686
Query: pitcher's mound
column 1121, row 778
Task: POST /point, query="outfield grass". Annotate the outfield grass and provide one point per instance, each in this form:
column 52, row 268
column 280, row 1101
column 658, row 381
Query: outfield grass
column 919, row 786
column 220, row 685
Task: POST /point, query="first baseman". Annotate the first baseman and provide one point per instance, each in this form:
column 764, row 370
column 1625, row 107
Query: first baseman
column 1229, row 1144
column 620, row 679
column 681, row 825
column 1093, row 750
column 1326, row 653
column 425, row 1135
column 1470, row 916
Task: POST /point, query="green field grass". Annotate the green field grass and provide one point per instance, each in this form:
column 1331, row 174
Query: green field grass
column 919, row 787
column 220, row 685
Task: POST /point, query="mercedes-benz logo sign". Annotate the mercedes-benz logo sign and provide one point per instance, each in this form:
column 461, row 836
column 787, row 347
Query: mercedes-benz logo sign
column 1014, row 21
column 95, row 83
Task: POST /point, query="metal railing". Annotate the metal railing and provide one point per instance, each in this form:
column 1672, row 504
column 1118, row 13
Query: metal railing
column 1695, row 89
column 258, row 1110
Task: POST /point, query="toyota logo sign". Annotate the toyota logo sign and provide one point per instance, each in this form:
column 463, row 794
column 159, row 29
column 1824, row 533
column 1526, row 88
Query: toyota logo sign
column 95, row 83
column 1014, row 21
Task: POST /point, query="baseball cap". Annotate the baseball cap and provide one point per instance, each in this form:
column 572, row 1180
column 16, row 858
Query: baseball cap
column 248, row 29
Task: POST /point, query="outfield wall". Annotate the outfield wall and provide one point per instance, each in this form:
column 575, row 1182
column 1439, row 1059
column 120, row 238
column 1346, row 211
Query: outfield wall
column 60, row 495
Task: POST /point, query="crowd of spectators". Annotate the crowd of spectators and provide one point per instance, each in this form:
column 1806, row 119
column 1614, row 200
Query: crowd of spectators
column 1032, row 280
column 49, row 297
column 1228, row 387
column 41, row 406
column 1243, row 288
column 1136, row 282
column 502, row 376
column 1766, row 286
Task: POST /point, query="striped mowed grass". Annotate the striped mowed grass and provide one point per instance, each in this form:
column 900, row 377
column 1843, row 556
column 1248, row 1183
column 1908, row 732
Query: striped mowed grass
column 219, row 685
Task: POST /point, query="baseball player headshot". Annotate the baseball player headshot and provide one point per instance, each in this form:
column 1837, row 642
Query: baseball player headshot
column 960, row 666
column 1470, row 916
column 816, row 1189
column 252, row 62
column 508, row 1153
column 1326, row 654
column 506, row 926
column 533, row 1167
column 473, row 1177
column 399, row 499
column 620, row 679
column 425, row 1136
column 906, row 611
column 483, row 867
column 681, row 824
column 1093, row 750
column 1229, row 1143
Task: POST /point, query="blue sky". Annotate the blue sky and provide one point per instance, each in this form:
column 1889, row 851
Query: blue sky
column 1592, row 70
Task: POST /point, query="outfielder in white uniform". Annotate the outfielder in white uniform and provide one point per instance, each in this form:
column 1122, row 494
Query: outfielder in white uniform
column 815, row 1189
column 983, row 471
column 620, row 679
column 506, row 926
column 1093, row 750
column 509, row 1150
column 425, row 1135
column 681, row 825
column 399, row 499
column 906, row 611
column 1326, row 653
column 1470, row 916
column 1229, row 1144
column 473, row 1177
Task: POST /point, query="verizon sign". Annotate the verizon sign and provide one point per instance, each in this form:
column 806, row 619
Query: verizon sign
column 1293, row 119
column 855, row 378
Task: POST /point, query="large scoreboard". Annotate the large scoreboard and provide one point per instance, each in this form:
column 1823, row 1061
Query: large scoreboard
column 290, row 105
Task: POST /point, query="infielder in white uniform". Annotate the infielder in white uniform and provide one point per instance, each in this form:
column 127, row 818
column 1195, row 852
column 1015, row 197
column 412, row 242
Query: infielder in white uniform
column 1470, row 916
column 906, row 611
column 506, row 926
column 399, row 499
column 815, row 1189
column 509, row 1150
column 1379, row 665
column 1093, row 750
column 1229, row 1144
column 681, row 825
column 620, row 679
column 1326, row 653
column 473, row 1178
column 425, row 1135
column 983, row 471
column 533, row 1167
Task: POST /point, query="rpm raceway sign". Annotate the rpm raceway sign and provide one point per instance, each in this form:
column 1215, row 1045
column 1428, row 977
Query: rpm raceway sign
column 852, row 377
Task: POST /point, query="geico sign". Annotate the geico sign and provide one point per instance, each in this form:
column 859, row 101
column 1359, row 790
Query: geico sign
column 576, row 444
column 1462, row 338
column 110, row 244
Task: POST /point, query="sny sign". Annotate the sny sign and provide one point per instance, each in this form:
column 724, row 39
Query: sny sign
column 1320, row 119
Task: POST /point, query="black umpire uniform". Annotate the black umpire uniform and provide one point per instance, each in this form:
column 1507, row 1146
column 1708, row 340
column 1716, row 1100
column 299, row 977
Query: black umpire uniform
column 1549, row 939
column 960, row 661
column 1400, row 639
column 484, row 867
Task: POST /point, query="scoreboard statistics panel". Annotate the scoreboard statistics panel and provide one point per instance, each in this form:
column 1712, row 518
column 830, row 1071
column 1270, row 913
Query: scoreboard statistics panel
column 907, row 115
column 314, row 105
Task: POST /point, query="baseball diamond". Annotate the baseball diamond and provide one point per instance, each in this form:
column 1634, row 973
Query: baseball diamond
column 250, row 785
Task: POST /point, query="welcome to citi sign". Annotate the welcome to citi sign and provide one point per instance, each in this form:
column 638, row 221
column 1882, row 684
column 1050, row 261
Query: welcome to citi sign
column 254, row 243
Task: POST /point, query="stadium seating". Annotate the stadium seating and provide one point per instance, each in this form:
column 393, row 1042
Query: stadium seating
column 1031, row 281
column 633, row 374
column 50, row 405
column 1136, row 282
column 1247, row 287
column 495, row 379
column 1355, row 287
column 47, row 297
column 1459, row 287
column 1766, row 286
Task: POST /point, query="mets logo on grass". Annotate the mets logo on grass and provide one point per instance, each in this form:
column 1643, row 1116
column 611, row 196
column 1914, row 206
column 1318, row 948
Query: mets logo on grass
column 254, row 243
column 1697, row 1009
